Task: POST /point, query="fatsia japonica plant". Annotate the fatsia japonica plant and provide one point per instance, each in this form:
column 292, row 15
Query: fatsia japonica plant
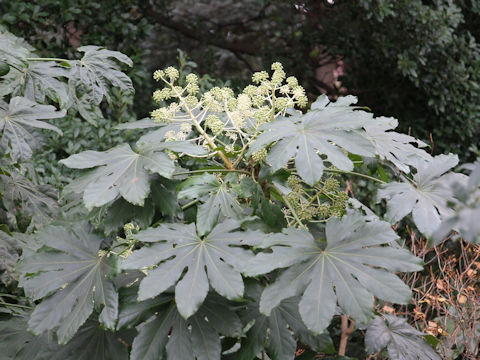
column 227, row 230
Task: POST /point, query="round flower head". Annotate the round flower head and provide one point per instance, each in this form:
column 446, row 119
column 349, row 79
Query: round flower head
column 172, row 73
column 158, row 74
column 192, row 78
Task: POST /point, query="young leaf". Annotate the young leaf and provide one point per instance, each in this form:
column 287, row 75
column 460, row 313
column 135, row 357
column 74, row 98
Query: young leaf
column 322, row 131
column 218, row 198
column 122, row 171
column 14, row 138
column 273, row 332
column 198, row 337
column 402, row 341
column 72, row 279
column 346, row 263
column 395, row 147
column 426, row 198
column 217, row 255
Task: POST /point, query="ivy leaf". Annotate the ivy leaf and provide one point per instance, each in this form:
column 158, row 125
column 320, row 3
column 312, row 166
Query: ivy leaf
column 22, row 112
column 395, row 147
column 198, row 337
column 426, row 198
column 178, row 246
column 402, row 341
column 21, row 197
column 351, row 262
column 273, row 332
column 322, row 131
column 71, row 276
column 218, row 197
column 92, row 343
column 122, row 171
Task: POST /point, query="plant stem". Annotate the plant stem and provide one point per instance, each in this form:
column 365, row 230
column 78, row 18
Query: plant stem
column 290, row 207
column 354, row 174
column 347, row 330
column 210, row 170
column 189, row 204
column 210, row 142
column 47, row 59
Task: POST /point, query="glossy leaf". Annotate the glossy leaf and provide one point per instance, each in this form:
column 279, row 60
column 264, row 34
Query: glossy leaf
column 349, row 268
column 324, row 130
column 216, row 259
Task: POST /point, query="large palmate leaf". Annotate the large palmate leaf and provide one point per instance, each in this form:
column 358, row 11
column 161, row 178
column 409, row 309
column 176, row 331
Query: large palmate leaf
column 402, row 341
column 216, row 259
column 20, row 112
column 426, row 197
column 350, row 268
column 23, row 198
column 123, row 171
column 324, row 130
column 72, row 276
column 16, row 342
column 395, row 147
column 217, row 197
column 93, row 77
column 466, row 208
column 38, row 81
column 276, row 332
column 168, row 332
column 8, row 257
column 92, row 343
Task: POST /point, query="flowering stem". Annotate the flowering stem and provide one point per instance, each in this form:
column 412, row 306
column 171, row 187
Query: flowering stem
column 210, row 170
column 210, row 142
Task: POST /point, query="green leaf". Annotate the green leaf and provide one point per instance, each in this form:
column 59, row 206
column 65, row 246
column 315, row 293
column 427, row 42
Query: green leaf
column 198, row 337
column 8, row 257
column 19, row 344
column 38, row 82
column 401, row 340
column 13, row 50
column 178, row 246
column 322, row 131
column 72, row 277
column 346, row 263
column 395, row 147
column 21, row 197
column 426, row 198
column 92, row 343
column 20, row 112
column 218, row 198
column 273, row 332
column 121, row 171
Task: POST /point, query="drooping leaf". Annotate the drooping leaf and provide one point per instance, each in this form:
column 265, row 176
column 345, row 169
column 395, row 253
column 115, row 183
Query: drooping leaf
column 21, row 197
column 198, row 337
column 426, row 198
column 217, row 197
column 466, row 207
column 122, row 171
column 20, row 112
column 402, row 341
column 276, row 332
column 350, row 268
column 395, row 147
column 93, row 77
column 324, row 130
column 71, row 275
column 217, row 255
